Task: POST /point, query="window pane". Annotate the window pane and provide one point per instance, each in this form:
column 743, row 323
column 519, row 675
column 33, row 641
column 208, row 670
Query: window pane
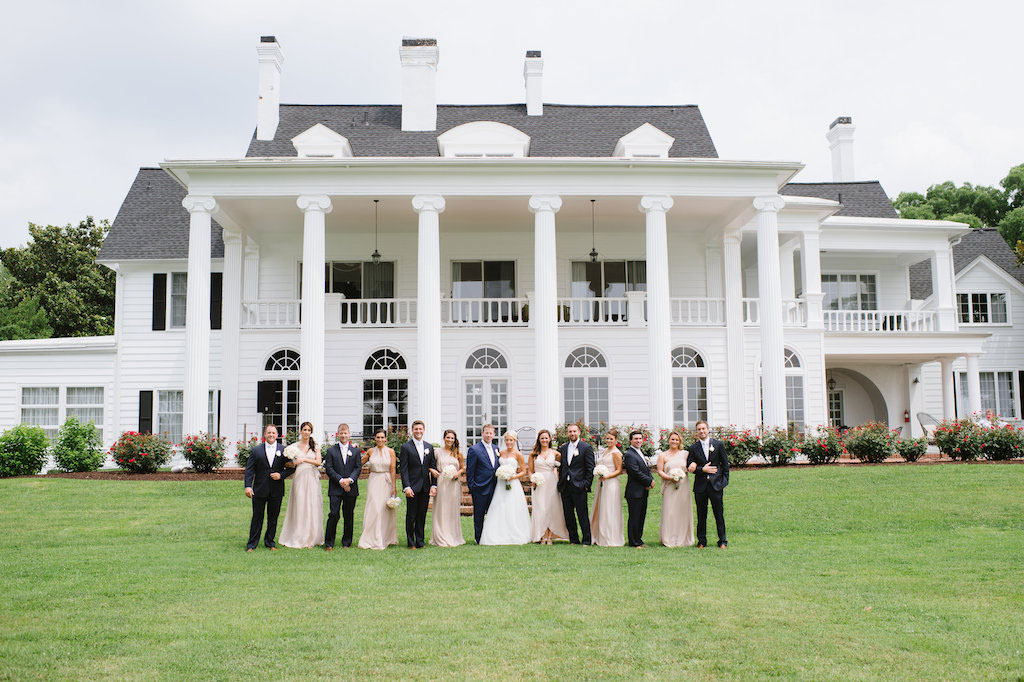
column 586, row 279
column 615, row 278
column 85, row 395
column 1004, row 387
column 988, row 391
column 179, row 286
column 795, row 400
column 848, row 298
column 979, row 303
column 867, row 293
column 467, row 279
column 373, row 406
column 964, row 305
column 40, row 396
column 835, row 408
column 678, row 400
column 636, row 271
column 574, row 400
column 347, row 279
column 379, row 280
column 998, row 308
column 830, row 286
column 598, row 401
column 499, row 279
column 963, row 403
column 696, row 399
column 474, row 410
column 170, row 405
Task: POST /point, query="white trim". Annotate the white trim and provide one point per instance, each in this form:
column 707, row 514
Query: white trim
column 970, row 293
column 983, row 260
column 82, row 344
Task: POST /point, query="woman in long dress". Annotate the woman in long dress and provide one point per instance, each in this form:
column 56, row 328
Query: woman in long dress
column 606, row 517
column 548, row 517
column 676, row 511
column 304, row 518
column 446, row 525
column 380, row 529
column 508, row 518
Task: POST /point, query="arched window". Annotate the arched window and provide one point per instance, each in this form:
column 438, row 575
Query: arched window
column 284, row 360
column 794, row 389
column 586, row 387
column 385, row 392
column 486, row 358
column 792, row 360
column 486, row 392
column 689, row 386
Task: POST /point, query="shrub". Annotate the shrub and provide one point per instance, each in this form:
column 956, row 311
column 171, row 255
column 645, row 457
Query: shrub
column 1001, row 443
column 689, row 437
column 244, row 448
column 959, row 439
column 777, row 447
column 140, row 453
column 205, row 452
column 911, row 449
column 22, row 450
column 871, row 442
column 595, row 436
column 740, row 446
column 78, row 446
column 397, row 437
column 586, row 434
column 825, row 447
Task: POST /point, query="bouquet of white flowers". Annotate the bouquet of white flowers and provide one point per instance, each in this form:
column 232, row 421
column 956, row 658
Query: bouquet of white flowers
column 291, row 452
column 451, row 472
column 537, row 479
column 394, row 502
column 505, row 472
column 601, row 471
column 677, row 475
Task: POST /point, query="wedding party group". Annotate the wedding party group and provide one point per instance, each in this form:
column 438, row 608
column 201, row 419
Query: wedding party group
column 562, row 479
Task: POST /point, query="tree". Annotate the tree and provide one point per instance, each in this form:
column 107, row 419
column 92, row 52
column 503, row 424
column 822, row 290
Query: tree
column 1013, row 187
column 24, row 321
column 58, row 269
column 1012, row 227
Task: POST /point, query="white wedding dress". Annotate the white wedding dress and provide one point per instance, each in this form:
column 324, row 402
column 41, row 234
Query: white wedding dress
column 508, row 519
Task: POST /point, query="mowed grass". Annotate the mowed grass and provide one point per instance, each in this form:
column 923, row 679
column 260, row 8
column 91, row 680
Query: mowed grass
column 832, row 573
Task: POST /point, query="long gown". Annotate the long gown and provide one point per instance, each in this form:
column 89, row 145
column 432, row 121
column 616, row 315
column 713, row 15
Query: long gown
column 508, row 518
column 676, row 528
column 446, row 526
column 547, row 504
column 304, row 518
column 380, row 528
column 606, row 517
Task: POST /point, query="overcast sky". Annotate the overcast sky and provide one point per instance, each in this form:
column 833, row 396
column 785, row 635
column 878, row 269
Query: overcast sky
column 93, row 90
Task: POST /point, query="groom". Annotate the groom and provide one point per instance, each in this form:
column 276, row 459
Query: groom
column 575, row 476
column 265, row 472
column 707, row 461
column 415, row 462
column 481, row 465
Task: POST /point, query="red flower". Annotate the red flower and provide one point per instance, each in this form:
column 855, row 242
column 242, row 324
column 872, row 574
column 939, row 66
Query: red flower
column 131, row 461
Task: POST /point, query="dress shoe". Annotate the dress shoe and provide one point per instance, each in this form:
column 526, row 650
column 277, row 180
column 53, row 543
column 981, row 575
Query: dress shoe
column 723, row 546
column 273, row 549
column 328, row 549
column 249, row 550
column 700, row 546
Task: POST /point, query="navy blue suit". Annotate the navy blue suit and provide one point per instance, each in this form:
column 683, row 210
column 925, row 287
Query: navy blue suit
column 343, row 503
column 480, row 479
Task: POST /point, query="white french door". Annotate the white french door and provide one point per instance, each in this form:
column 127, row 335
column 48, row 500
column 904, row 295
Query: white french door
column 486, row 403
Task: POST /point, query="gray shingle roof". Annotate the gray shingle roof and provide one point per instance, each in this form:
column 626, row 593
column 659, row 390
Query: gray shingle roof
column 982, row 242
column 563, row 130
column 152, row 223
column 864, row 199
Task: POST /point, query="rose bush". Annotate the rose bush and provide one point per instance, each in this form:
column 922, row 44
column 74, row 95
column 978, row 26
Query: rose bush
column 205, row 452
column 872, row 442
column 777, row 447
column 740, row 445
column 1001, row 443
column 140, row 453
column 911, row 449
column 823, row 448
column 244, row 448
column 959, row 439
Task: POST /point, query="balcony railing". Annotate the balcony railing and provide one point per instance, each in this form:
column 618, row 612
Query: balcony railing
column 698, row 311
column 484, row 312
column 378, row 312
column 794, row 312
column 585, row 311
column 270, row 313
column 879, row 321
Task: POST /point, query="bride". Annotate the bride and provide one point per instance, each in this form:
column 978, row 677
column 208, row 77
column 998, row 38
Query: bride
column 508, row 519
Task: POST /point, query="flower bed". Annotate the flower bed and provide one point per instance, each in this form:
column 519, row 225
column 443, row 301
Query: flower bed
column 140, row 453
column 823, row 448
column 959, row 439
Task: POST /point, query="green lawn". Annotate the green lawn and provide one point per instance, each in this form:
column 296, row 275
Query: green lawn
column 831, row 573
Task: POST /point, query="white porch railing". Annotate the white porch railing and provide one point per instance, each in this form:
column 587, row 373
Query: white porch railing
column 751, row 311
column 794, row 312
column 270, row 313
column 584, row 311
column 478, row 312
column 879, row 321
column 698, row 311
column 378, row 312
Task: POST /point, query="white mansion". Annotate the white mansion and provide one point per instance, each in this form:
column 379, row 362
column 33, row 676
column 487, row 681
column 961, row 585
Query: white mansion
column 522, row 264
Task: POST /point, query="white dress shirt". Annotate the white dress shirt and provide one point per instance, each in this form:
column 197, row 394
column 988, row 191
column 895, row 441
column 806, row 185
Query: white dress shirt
column 419, row 448
column 706, row 444
column 573, row 450
column 271, row 450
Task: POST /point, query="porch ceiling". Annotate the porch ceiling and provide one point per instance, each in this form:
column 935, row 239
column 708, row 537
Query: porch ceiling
column 898, row 349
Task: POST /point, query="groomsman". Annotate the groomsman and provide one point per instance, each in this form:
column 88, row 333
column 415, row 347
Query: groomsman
column 707, row 461
column 415, row 463
column 639, row 482
column 265, row 472
column 481, row 465
column 575, row 476
column 343, row 462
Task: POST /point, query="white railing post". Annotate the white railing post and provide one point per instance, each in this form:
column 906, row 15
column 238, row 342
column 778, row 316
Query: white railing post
column 635, row 308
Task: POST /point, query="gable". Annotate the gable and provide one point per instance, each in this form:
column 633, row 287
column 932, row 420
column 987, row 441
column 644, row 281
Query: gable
column 319, row 141
column 483, row 138
column 646, row 142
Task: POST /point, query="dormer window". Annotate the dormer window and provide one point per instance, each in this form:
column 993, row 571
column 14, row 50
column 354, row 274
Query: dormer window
column 646, row 142
column 320, row 142
column 483, row 139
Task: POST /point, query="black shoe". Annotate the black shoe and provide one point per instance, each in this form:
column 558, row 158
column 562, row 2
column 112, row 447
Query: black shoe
column 701, row 546
column 723, row 545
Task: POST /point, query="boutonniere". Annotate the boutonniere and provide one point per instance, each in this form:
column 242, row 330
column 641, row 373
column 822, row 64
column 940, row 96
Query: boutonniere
column 711, row 448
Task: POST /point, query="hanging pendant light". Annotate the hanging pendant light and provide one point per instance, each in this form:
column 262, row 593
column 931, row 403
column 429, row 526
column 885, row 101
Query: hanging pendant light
column 593, row 237
column 375, row 256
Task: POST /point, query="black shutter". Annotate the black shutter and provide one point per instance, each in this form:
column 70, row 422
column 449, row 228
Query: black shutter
column 159, row 301
column 216, row 296
column 265, row 396
column 145, row 411
column 1020, row 385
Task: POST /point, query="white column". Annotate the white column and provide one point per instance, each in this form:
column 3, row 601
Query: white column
column 948, row 398
column 659, row 330
column 315, row 208
column 197, row 316
column 543, row 311
column 973, row 385
column 428, row 313
column 810, row 268
column 769, row 286
column 733, row 291
column 251, row 279
column 713, row 266
column 231, row 316
column 942, row 288
column 787, row 272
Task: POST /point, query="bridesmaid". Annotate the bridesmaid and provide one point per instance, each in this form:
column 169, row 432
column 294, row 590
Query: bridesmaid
column 676, row 510
column 606, row 517
column 446, row 528
column 304, row 519
column 379, row 527
column 548, row 518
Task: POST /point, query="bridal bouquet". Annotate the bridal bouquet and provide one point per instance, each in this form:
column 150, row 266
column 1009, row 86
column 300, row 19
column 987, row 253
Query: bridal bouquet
column 537, row 479
column 677, row 475
column 451, row 472
column 291, row 452
column 601, row 471
column 505, row 472
column 394, row 502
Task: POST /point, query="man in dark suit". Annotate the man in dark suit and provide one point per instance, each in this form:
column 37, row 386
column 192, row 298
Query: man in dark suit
column 575, row 475
column 415, row 463
column 343, row 462
column 265, row 472
column 638, row 483
column 481, row 465
column 710, row 465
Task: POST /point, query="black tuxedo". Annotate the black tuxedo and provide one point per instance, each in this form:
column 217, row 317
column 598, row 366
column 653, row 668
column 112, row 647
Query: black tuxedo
column 638, row 480
column 708, row 488
column 574, row 481
column 417, row 477
column 266, row 492
column 343, row 503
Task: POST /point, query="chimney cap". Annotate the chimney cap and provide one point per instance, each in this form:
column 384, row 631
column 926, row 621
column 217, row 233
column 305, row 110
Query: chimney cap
column 532, row 53
column 841, row 120
column 419, row 42
column 268, row 39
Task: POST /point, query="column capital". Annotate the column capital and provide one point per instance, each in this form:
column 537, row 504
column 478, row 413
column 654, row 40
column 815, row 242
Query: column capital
column 232, row 236
column 655, row 202
column 732, row 237
column 434, row 203
column 770, row 202
column 545, row 202
column 314, row 202
column 198, row 203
